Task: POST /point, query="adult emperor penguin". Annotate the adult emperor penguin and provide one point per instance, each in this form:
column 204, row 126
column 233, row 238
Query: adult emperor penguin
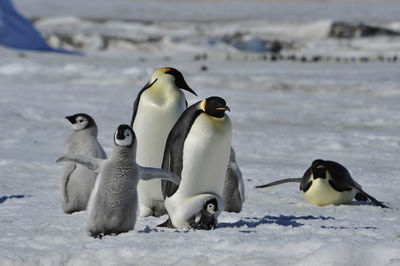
column 197, row 150
column 77, row 181
column 233, row 194
column 113, row 203
column 155, row 111
column 328, row 182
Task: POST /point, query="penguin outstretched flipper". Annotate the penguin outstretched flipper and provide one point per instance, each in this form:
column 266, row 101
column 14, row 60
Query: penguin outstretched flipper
column 282, row 181
column 364, row 196
column 360, row 197
column 148, row 173
column 91, row 163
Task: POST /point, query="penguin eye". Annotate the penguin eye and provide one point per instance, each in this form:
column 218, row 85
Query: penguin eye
column 127, row 133
column 80, row 120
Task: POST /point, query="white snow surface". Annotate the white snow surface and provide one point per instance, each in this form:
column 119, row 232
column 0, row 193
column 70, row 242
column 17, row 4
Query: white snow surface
column 284, row 115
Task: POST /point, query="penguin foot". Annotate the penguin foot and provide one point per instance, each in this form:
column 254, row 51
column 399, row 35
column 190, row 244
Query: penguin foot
column 203, row 226
column 145, row 212
column 97, row 235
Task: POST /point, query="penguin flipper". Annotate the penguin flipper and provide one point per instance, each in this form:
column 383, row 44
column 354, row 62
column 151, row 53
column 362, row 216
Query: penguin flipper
column 282, row 181
column 91, row 163
column 137, row 100
column 69, row 167
column 167, row 224
column 360, row 197
column 365, row 194
column 147, row 173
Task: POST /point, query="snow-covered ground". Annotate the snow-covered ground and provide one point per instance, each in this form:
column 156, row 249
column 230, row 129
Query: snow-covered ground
column 284, row 114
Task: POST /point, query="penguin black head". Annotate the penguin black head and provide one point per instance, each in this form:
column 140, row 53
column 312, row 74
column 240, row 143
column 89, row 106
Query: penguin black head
column 124, row 136
column 214, row 106
column 318, row 169
column 211, row 206
column 81, row 121
column 177, row 78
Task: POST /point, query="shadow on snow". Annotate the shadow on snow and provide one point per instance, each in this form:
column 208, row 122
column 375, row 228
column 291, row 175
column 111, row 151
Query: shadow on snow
column 4, row 198
column 282, row 220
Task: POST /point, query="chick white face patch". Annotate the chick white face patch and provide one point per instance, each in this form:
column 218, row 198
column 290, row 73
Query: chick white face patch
column 211, row 208
column 126, row 141
column 80, row 123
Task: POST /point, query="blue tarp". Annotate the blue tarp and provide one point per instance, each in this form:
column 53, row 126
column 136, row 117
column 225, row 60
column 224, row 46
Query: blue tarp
column 17, row 32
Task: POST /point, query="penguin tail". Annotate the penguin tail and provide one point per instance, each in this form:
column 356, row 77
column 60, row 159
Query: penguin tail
column 282, row 181
column 167, row 224
column 364, row 196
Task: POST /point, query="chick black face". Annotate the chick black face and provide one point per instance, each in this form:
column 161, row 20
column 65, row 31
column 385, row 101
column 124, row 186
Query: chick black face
column 214, row 106
column 80, row 121
column 211, row 206
column 124, row 136
column 318, row 169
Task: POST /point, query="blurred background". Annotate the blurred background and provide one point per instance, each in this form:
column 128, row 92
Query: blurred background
column 304, row 30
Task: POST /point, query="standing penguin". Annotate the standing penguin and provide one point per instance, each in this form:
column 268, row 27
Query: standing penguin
column 197, row 150
column 233, row 194
column 77, row 181
column 155, row 111
column 328, row 182
column 113, row 203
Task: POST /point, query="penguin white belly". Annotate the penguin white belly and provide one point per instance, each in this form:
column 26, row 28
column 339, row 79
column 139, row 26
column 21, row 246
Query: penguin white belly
column 205, row 156
column 321, row 193
column 153, row 122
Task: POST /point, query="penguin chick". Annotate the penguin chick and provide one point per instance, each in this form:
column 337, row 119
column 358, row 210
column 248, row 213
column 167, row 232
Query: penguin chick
column 77, row 181
column 328, row 182
column 206, row 219
column 113, row 203
column 233, row 194
column 197, row 150
column 156, row 109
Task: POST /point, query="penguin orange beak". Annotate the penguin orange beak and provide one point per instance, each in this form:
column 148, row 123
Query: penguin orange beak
column 165, row 69
column 225, row 108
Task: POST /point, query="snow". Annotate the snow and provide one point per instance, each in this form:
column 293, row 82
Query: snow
column 284, row 115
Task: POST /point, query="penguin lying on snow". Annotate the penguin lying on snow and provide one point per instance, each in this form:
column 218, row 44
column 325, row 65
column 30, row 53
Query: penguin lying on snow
column 197, row 150
column 156, row 109
column 113, row 203
column 328, row 182
column 77, row 181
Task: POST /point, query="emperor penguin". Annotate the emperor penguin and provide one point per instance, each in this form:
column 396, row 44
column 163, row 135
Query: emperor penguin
column 156, row 109
column 112, row 207
column 233, row 194
column 77, row 181
column 197, row 150
column 328, row 182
